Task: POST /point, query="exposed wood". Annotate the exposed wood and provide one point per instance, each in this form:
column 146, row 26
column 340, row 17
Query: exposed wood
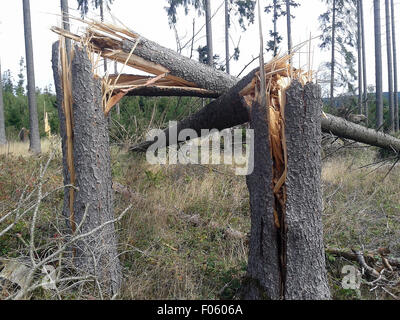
column 57, row 74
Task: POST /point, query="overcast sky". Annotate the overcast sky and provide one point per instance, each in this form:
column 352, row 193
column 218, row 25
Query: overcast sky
column 149, row 19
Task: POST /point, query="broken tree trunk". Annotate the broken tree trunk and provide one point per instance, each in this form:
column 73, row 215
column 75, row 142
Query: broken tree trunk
column 98, row 253
column 63, row 129
column 92, row 205
column 225, row 85
column 305, row 271
column 286, row 255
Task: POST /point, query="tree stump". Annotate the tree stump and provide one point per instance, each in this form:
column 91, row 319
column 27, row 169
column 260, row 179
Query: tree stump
column 97, row 254
column 287, row 261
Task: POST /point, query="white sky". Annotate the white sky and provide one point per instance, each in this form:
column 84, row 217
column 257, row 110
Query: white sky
column 149, row 19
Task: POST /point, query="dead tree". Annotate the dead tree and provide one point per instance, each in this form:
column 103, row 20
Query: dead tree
column 92, row 204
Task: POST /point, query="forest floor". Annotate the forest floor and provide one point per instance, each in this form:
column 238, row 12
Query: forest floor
column 165, row 256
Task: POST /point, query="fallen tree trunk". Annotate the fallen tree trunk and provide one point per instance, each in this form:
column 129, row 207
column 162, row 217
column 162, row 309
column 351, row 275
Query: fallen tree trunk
column 227, row 87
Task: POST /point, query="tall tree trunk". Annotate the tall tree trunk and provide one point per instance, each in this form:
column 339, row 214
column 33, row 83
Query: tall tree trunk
column 364, row 58
column 210, row 51
column 378, row 65
column 395, row 89
column 3, row 139
column 97, row 255
column 227, row 25
column 35, row 145
column 390, row 65
column 289, row 28
column 333, row 53
column 66, row 25
column 275, row 20
column 287, row 261
column 359, row 51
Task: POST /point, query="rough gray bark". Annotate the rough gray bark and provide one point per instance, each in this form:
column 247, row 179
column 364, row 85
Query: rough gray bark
column 378, row 64
column 156, row 91
column 289, row 28
column 35, row 145
column 262, row 281
column 63, row 131
column 97, row 254
column 288, row 262
column 200, row 74
column 390, row 65
column 66, row 25
column 359, row 60
column 348, row 130
column 364, row 63
column 225, row 112
column 395, row 84
column 227, row 25
column 333, row 53
column 210, row 51
column 306, row 273
column 3, row 139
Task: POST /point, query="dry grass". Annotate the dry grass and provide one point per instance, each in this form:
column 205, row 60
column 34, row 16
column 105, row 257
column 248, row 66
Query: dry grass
column 165, row 257
column 17, row 148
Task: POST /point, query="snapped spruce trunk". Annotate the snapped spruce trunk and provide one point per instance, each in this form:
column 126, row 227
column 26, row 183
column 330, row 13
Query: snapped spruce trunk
column 286, row 259
column 96, row 254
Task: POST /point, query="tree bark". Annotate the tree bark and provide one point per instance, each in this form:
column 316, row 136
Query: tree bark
column 227, row 23
column 333, row 53
column 263, row 279
column 289, row 28
column 378, row 65
column 66, row 25
column 210, row 51
column 98, row 254
column 35, row 145
column 3, row 139
column 349, row 130
column 288, row 261
column 305, row 271
column 395, row 84
column 390, row 65
column 364, row 58
column 359, row 51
